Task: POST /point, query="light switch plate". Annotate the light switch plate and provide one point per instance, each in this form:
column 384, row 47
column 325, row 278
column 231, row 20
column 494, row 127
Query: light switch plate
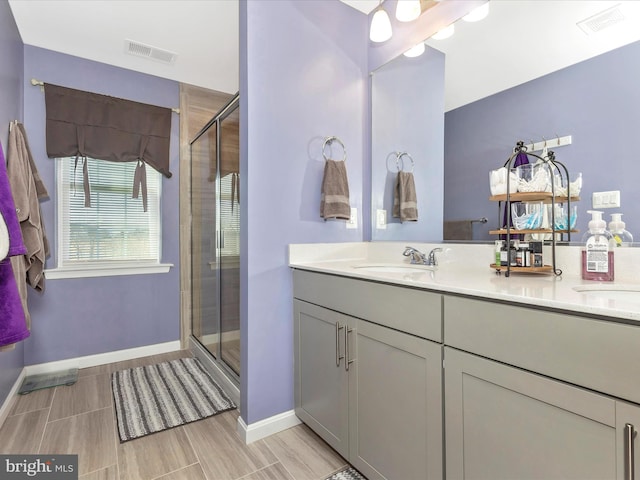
column 353, row 220
column 381, row 219
column 606, row 199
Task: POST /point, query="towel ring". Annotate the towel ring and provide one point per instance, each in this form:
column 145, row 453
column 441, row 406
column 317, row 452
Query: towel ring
column 399, row 161
column 329, row 141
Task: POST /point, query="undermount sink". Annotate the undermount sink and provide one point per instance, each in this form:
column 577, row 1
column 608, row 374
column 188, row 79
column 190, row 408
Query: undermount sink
column 611, row 292
column 395, row 268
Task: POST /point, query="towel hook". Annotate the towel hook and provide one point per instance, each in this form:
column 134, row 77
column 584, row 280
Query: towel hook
column 399, row 161
column 558, row 138
column 329, row 141
column 545, row 142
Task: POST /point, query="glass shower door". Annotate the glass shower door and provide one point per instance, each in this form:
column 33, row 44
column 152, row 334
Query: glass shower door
column 229, row 214
column 205, row 275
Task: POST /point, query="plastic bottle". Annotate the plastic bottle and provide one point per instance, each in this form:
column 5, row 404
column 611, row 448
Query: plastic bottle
column 597, row 253
column 622, row 237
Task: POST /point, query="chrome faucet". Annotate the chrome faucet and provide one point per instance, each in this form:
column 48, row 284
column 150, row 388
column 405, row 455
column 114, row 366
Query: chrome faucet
column 431, row 259
column 417, row 257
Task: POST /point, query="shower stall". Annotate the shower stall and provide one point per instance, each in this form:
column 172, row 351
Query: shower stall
column 215, row 239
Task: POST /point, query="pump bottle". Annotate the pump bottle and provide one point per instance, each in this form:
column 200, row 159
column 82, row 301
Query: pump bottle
column 622, row 237
column 597, row 253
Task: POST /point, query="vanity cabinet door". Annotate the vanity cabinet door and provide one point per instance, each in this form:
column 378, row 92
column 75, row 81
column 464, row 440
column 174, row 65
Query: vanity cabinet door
column 395, row 400
column 321, row 380
column 505, row 423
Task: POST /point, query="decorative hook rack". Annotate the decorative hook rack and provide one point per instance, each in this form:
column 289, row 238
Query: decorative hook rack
column 552, row 143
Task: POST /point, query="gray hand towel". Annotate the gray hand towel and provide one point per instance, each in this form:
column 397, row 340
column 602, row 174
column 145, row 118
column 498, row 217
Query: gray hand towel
column 405, row 204
column 334, row 198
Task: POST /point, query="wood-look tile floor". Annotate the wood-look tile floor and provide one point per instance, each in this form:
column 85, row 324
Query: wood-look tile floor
column 80, row 419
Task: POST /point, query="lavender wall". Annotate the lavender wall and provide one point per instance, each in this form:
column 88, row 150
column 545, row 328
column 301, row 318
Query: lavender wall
column 77, row 317
column 303, row 77
column 408, row 116
column 596, row 101
column 12, row 60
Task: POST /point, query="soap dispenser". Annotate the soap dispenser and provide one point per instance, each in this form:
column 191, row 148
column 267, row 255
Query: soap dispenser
column 597, row 253
column 622, row 237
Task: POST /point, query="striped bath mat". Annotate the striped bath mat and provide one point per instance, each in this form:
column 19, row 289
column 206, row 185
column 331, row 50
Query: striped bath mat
column 348, row 473
column 157, row 397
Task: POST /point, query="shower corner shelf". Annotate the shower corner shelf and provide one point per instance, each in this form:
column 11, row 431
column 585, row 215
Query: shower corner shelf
column 546, row 197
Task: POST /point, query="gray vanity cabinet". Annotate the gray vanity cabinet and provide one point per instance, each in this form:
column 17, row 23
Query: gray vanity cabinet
column 506, row 423
column 321, row 379
column 372, row 392
column 395, row 405
column 534, row 394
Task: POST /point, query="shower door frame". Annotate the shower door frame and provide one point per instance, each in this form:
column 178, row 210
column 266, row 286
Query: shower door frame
column 216, row 357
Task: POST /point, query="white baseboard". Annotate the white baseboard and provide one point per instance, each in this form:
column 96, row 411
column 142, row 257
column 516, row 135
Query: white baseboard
column 267, row 427
column 10, row 398
column 103, row 358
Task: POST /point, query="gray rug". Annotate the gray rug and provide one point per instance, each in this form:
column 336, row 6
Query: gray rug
column 349, row 473
column 157, row 397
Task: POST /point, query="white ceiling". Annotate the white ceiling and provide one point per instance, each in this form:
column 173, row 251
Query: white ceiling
column 203, row 33
column 518, row 41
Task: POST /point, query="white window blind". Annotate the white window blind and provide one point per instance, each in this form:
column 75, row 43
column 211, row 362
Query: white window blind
column 229, row 217
column 115, row 229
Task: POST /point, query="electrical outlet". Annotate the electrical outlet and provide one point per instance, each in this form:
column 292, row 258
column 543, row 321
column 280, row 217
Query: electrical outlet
column 353, row 220
column 381, row 219
column 606, row 199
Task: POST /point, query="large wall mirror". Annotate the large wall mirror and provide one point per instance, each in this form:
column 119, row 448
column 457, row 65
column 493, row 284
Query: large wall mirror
column 534, row 71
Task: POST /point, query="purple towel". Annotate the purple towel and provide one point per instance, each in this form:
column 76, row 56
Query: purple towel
column 13, row 326
column 8, row 211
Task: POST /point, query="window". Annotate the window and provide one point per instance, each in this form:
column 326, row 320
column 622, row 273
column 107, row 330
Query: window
column 115, row 235
column 230, row 215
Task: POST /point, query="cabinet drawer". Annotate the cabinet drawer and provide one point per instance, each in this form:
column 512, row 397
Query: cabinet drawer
column 409, row 310
column 597, row 354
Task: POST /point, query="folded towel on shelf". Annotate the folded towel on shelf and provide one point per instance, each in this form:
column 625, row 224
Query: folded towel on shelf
column 334, row 198
column 405, row 204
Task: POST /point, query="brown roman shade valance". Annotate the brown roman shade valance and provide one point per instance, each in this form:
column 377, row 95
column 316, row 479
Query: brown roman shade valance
column 84, row 124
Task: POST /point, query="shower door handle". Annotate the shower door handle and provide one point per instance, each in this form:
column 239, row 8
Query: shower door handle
column 338, row 356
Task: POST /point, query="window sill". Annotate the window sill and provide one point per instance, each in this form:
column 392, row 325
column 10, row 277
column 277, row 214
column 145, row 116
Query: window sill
column 106, row 270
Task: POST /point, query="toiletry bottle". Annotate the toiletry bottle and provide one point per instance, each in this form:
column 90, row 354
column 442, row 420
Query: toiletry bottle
column 622, row 237
column 597, row 255
column 498, row 248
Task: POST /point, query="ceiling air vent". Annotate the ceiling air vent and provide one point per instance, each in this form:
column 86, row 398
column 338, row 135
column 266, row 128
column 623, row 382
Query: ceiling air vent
column 602, row 20
column 147, row 51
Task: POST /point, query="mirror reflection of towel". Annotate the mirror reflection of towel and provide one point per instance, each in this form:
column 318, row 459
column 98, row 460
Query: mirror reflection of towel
column 405, row 204
column 458, row 230
column 334, row 198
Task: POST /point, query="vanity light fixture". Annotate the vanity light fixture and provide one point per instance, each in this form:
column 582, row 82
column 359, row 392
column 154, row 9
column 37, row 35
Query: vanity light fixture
column 408, row 10
column 477, row 14
column 380, row 30
column 444, row 33
column 415, row 51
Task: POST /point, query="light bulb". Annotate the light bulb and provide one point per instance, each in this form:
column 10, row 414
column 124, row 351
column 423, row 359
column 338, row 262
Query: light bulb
column 408, row 10
column 444, row 33
column 477, row 14
column 415, row 51
column 380, row 26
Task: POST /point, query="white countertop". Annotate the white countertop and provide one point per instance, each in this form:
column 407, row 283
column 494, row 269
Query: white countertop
column 464, row 269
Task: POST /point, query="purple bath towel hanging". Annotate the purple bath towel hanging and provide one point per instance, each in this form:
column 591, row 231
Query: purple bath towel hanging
column 13, row 327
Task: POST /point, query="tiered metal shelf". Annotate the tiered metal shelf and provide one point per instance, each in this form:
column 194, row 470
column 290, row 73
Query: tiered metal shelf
column 553, row 166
